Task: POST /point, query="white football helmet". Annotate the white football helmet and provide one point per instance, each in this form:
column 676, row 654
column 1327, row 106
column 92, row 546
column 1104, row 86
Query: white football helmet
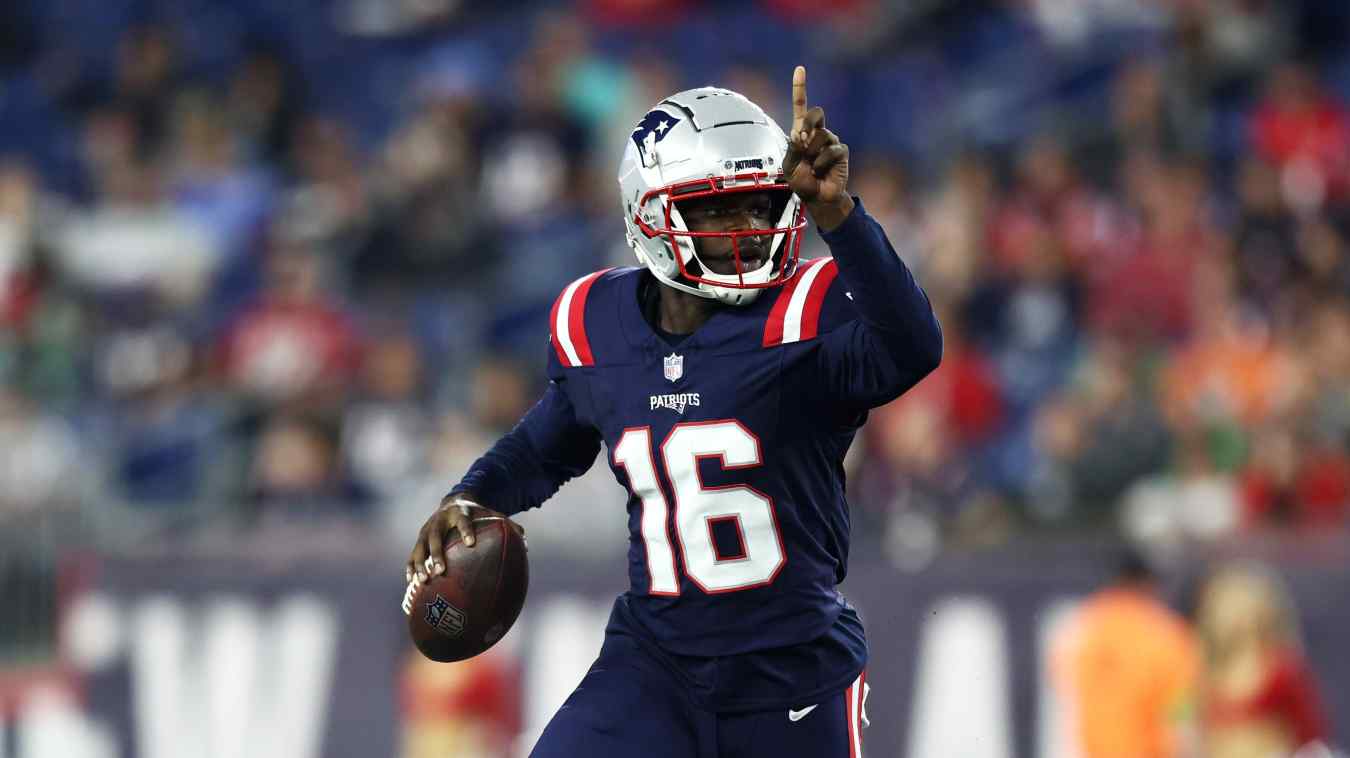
column 695, row 144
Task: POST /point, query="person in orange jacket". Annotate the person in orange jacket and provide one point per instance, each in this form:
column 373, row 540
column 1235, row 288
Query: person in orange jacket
column 1126, row 665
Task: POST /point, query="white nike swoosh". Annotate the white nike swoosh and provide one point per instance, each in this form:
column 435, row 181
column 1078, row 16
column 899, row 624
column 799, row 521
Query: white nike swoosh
column 799, row 715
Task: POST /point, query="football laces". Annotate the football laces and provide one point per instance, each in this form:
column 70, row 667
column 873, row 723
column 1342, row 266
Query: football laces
column 409, row 594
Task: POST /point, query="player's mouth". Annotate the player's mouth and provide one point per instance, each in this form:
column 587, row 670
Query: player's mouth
column 752, row 257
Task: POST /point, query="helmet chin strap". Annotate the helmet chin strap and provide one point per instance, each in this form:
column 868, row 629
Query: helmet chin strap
column 727, row 295
column 734, row 296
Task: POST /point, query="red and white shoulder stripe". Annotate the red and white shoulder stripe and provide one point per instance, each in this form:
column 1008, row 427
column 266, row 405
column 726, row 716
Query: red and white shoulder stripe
column 796, row 313
column 567, row 323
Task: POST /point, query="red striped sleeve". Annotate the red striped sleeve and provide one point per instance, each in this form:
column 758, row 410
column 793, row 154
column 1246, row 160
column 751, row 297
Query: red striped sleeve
column 773, row 328
column 553, row 329
column 567, row 322
column 815, row 298
column 577, row 320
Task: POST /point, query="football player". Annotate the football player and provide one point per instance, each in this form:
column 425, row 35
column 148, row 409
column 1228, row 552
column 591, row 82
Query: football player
column 726, row 378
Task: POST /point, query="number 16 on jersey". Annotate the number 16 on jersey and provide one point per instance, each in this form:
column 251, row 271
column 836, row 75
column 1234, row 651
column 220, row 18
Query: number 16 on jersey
column 698, row 507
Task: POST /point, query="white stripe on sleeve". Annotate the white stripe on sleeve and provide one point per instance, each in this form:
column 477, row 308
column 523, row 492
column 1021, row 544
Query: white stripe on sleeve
column 792, row 319
column 560, row 330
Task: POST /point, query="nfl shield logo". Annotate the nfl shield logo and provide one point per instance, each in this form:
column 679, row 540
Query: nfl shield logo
column 445, row 618
column 674, row 366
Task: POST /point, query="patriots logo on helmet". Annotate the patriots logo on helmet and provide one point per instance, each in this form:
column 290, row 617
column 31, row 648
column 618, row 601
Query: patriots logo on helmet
column 650, row 130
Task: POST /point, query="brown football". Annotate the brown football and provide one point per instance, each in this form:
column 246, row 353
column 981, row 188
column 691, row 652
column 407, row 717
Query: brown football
column 472, row 605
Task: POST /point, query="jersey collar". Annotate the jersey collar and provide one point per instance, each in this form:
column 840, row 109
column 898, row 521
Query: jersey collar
column 729, row 330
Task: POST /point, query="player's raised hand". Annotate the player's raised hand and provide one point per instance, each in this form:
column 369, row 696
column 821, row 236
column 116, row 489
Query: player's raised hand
column 816, row 164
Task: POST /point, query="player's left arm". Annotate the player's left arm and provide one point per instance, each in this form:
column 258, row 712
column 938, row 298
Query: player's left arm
column 896, row 340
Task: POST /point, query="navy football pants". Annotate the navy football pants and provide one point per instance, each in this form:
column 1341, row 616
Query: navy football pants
column 630, row 705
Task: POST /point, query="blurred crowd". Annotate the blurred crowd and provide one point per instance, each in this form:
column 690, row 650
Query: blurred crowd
column 265, row 265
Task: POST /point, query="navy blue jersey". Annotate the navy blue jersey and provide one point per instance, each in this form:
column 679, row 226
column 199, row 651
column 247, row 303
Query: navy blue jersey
column 731, row 443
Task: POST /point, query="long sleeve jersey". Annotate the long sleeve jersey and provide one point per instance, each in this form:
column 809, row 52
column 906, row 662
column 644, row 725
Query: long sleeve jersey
column 731, row 443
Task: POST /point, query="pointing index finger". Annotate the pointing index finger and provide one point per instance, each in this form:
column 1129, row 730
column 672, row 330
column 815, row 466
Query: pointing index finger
column 798, row 97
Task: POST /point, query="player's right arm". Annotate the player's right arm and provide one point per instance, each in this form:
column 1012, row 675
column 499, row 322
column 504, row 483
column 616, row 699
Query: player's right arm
column 896, row 339
column 524, row 468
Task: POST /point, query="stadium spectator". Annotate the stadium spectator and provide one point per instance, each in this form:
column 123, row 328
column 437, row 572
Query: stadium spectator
column 384, row 429
column 296, row 474
column 329, row 199
column 1127, row 665
column 1231, row 370
column 18, row 240
column 910, row 476
column 955, row 222
column 469, row 709
column 964, row 391
column 1304, row 130
column 1027, row 317
column 1324, row 263
column 891, row 201
column 1049, row 199
column 42, row 334
column 38, row 469
column 1145, row 293
column 1193, row 501
column 1095, row 439
column 1326, row 350
column 427, row 235
column 163, row 433
column 265, row 99
column 1265, row 243
column 500, row 393
column 1258, row 694
column 133, row 240
column 912, row 447
column 147, row 75
column 1295, row 482
column 1146, row 118
column 295, row 339
column 209, row 178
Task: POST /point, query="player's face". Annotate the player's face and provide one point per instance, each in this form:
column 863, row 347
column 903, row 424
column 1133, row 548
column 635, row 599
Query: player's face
column 738, row 212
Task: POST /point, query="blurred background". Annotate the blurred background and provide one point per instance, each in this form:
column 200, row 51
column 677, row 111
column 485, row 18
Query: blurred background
column 273, row 274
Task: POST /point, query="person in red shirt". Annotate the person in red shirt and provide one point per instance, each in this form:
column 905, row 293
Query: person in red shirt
column 1304, row 130
column 1259, row 697
column 1288, row 483
column 295, row 339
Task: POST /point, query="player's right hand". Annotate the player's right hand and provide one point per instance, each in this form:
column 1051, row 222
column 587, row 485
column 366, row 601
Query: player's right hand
column 455, row 515
column 816, row 162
